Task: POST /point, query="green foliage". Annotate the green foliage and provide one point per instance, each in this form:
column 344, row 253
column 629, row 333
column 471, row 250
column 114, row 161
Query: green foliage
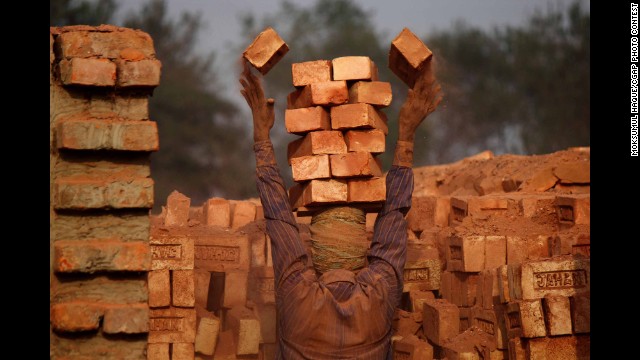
column 80, row 12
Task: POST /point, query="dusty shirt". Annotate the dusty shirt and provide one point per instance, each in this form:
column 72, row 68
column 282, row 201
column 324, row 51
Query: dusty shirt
column 340, row 315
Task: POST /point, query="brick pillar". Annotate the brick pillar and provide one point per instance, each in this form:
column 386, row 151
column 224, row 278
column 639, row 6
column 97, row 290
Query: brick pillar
column 100, row 190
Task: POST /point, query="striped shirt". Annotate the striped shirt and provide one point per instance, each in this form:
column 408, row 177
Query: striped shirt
column 341, row 314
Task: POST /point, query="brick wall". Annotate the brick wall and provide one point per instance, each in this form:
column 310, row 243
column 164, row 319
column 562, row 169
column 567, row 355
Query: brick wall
column 100, row 190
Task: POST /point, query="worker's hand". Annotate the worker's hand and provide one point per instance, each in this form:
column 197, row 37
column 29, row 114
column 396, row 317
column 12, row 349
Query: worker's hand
column 422, row 100
column 262, row 109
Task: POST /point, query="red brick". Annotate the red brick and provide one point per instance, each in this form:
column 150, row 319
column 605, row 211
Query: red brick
column 564, row 276
column 541, row 181
column 407, row 56
column 172, row 325
column 126, row 319
column 138, row 73
column 207, row 334
column 177, row 209
column 243, row 213
column 74, row 193
column 422, row 267
column 354, row 68
column 182, row 351
column 537, row 246
column 217, row 212
column 311, row 167
column 372, row 141
column 317, row 143
column 418, row 297
column 202, row 279
column 257, row 240
column 303, row 120
column 222, row 251
column 106, row 44
column 235, row 288
column 355, row 164
column 459, row 210
column 183, row 288
column 574, row 209
column 495, row 251
column 172, row 252
column 76, row 316
column 159, row 288
column 89, row 134
column 421, row 215
column 412, row 348
column 376, row 93
column 445, row 285
column 465, row 318
column 326, row 93
column 466, row 253
column 575, row 172
column 581, row 314
column 266, row 314
column 557, row 315
column 263, row 285
column 317, row 192
column 440, row 321
column 246, row 330
column 89, row 72
column 581, row 245
column 517, row 350
column 559, row 347
column 158, row 351
column 469, row 288
column 226, row 348
column 266, row 50
column 524, row 318
column 358, row 116
column 516, row 250
column 366, row 190
column 88, row 256
column 309, row 72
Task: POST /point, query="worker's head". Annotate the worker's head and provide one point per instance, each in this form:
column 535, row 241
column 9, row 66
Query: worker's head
column 339, row 239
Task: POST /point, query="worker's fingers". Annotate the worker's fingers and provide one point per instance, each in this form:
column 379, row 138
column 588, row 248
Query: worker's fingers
column 270, row 101
column 244, row 94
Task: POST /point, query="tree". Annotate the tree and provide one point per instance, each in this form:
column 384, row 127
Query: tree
column 75, row 12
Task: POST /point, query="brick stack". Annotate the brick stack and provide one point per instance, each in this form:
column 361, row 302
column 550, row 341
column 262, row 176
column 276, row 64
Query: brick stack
column 101, row 190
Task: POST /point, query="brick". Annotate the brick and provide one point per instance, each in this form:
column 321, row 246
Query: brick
column 311, row 167
column 541, row 181
column 535, row 206
column 317, row 143
column 466, row 253
column 574, row 209
column 502, row 340
column 266, row 315
column 88, row 72
column 498, row 355
column 575, row 172
column 459, row 210
column 358, row 116
column 101, row 288
column 466, row 318
column 503, row 284
column 104, row 134
column 407, row 56
column 581, row 314
column 486, row 320
column 258, row 239
column 309, row 72
column 226, row 348
column 557, row 315
column 376, row 93
column 246, row 330
column 481, row 206
column 207, row 335
column 177, row 209
column 469, row 288
column 559, row 347
column 366, row 190
column 235, row 288
column 89, row 256
column 563, row 276
column 422, row 268
column 443, row 207
column 418, row 297
column 412, row 348
column 317, row 192
column 126, row 319
column 76, row 316
column 524, row 318
column 127, row 225
column 440, row 321
column 266, row 50
column 172, row 325
column 183, row 288
column 202, row 280
column 222, row 251
column 138, row 73
column 372, row 141
column 243, row 213
column 354, row 68
column 74, row 193
column 517, row 350
column 158, row 351
column 495, row 251
column 354, row 164
column 537, row 247
column 445, row 285
column 182, row 351
column 303, row 120
column 404, row 323
column 326, row 93
column 514, row 276
column 159, row 288
column 421, row 215
column 217, row 212
column 107, row 44
column 263, row 285
column 560, row 244
column 171, row 252
column 516, row 250
column 581, row 245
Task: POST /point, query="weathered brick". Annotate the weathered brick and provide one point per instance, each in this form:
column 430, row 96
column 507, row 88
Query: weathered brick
column 158, row 351
column 222, row 251
column 326, row 93
column 90, row 134
column 533, row 206
column 107, row 44
column 317, row 143
column 407, row 56
column 376, row 93
column 235, row 288
column 266, row 315
column 581, row 314
column 418, row 297
column 88, row 72
column 469, row 288
column 366, row 190
column 258, row 239
column 498, row 354
column 202, row 280
column 76, row 316
column 517, row 350
column 524, row 318
column 581, row 245
column 503, row 284
column 495, row 251
column 487, row 321
column 183, row 288
column 466, row 253
column 514, row 276
column 537, row 246
column 516, row 250
column 421, row 215
column 559, row 347
column 243, row 213
column 574, row 209
column 445, row 285
column 182, row 351
column 440, row 321
column 172, row 252
column 412, row 348
column 102, row 288
column 266, row 50
column 126, row 319
column 372, row 141
column 311, row 167
column 358, row 116
column 459, row 210
column 564, row 276
column 303, row 120
column 466, row 317
column 309, row 72
column 318, row 191
column 217, row 212
column 207, row 335
column 557, row 315
column 81, row 193
column 575, row 172
column 177, row 209
column 172, row 325
column 246, row 330
column 354, row 68
column 422, row 268
column 226, row 348
column 88, row 256
column 354, row 164
column 127, row 225
column 159, row 288
column 263, row 285
column 138, row 73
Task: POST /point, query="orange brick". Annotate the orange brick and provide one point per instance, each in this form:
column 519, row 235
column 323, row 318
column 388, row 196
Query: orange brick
column 217, row 212
column 246, row 330
column 354, row 68
column 171, row 252
column 358, row 116
column 244, row 212
column 421, row 215
column 407, row 56
column 202, row 279
column 81, row 194
column 376, row 93
column 495, row 251
column 372, row 141
column 326, row 93
column 440, row 321
column 177, row 209
column 366, row 190
column 466, row 253
column 317, row 192
column 222, row 251
column 309, row 72
column 266, row 50
column 557, row 314
column 158, row 351
column 88, row 256
column 317, row 143
column 126, row 319
column 209, row 327
column 524, row 318
column 355, row 164
column 90, row 134
column 422, row 268
column 311, row 167
column 159, row 282
column 412, row 348
column 90, row 72
column 574, row 209
column 105, row 44
column 235, row 288
column 559, row 347
column 183, row 288
column 263, row 285
column 138, row 73
column 303, row 120
column 581, row 314
column 76, row 316
column 172, row 325
column 182, row 351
